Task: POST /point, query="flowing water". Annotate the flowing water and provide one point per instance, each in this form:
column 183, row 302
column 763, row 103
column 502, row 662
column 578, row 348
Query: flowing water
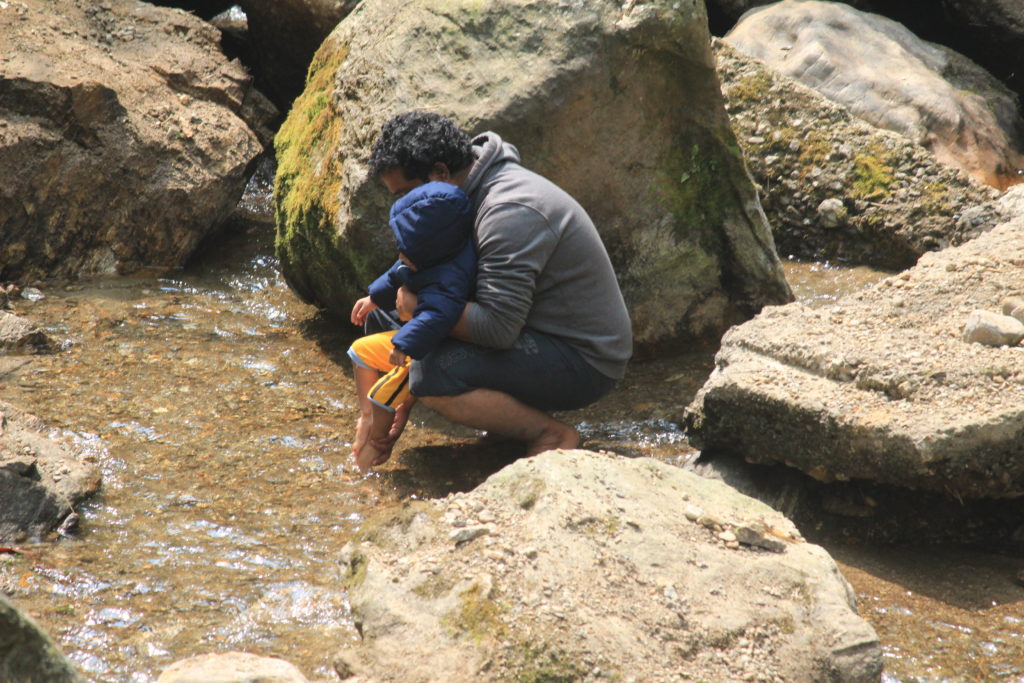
column 220, row 408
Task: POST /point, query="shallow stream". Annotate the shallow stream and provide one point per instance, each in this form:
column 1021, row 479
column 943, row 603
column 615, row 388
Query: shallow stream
column 220, row 408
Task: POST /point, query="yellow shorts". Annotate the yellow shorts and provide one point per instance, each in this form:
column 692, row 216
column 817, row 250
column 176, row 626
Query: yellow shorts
column 373, row 351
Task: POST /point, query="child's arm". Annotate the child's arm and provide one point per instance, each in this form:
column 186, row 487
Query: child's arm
column 383, row 289
column 361, row 309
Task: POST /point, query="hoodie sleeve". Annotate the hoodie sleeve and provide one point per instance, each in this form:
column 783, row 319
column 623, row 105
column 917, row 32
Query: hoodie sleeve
column 514, row 242
column 384, row 290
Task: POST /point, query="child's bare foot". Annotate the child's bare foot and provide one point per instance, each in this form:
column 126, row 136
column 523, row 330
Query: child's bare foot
column 555, row 435
column 362, row 434
column 367, row 457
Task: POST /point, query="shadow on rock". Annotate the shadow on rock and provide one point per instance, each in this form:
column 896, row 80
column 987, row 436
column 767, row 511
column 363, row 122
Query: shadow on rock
column 872, row 513
column 439, row 470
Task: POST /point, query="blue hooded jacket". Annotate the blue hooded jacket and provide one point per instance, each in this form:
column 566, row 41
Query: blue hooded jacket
column 433, row 226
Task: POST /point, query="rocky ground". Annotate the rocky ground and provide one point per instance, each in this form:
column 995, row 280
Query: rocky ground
column 574, row 565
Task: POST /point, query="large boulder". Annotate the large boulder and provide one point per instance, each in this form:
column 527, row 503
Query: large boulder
column 621, row 107
column 284, row 35
column 27, row 653
column 888, row 76
column 123, row 136
column 882, row 386
column 575, row 565
column 41, row 479
column 836, row 187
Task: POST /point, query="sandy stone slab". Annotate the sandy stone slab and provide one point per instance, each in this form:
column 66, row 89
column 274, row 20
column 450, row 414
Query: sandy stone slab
column 882, row 386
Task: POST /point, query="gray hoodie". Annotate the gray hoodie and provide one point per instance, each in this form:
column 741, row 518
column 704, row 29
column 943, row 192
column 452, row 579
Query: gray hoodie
column 541, row 263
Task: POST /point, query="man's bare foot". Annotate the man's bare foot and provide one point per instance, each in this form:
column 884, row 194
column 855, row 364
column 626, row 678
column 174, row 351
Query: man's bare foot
column 368, row 456
column 555, row 435
column 362, row 434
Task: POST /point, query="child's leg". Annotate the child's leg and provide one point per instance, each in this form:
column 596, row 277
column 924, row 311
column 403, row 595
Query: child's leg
column 365, row 379
column 379, row 424
column 369, row 359
column 386, row 394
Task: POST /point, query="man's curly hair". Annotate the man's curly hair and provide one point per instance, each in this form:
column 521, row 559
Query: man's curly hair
column 416, row 140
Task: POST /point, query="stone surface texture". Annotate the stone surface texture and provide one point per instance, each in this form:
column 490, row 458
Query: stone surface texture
column 284, row 35
column 596, row 567
column 891, row 78
column 231, row 667
column 27, row 653
column 886, row 199
column 125, row 132
column 882, row 386
column 41, row 478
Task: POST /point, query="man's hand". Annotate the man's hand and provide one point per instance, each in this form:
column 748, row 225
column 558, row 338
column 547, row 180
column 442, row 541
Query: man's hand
column 406, row 303
column 361, row 309
column 398, row 357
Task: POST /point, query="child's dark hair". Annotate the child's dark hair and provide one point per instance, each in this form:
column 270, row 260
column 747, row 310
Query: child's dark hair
column 416, row 140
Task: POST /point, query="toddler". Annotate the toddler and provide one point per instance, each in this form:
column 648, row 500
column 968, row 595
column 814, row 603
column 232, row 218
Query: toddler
column 433, row 227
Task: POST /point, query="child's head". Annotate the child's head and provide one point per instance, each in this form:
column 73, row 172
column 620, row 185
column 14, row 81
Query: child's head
column 431, row 223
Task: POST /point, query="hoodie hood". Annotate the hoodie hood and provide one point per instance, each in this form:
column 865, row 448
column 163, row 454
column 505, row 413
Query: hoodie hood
column 489, row 150
column 431, row 223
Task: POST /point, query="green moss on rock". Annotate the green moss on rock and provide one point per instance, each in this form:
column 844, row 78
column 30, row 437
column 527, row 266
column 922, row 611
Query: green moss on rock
column 873, row 175
column 309, row 180
column 477, row 616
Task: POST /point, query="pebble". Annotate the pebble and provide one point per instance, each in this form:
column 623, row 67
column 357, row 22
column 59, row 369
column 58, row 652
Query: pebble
column 467, row 534
column 693, row 512
column 993, row 329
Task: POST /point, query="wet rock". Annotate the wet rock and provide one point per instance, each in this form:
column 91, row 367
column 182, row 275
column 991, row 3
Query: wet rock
column 993, row 329
column 610, row 575
column 684, row 231
column 130, row 131
column 886, row 75
column 899, row 200
column 875, row 387
column 27, row 653
column 20, row 335
column 41, row 479
column 231, row 667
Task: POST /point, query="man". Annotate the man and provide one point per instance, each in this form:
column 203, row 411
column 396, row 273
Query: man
column 547, row 328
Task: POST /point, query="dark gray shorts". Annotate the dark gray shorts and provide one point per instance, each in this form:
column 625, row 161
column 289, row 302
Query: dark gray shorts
column 540, row 370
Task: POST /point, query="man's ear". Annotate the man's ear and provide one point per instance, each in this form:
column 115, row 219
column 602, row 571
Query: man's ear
column 440, row 172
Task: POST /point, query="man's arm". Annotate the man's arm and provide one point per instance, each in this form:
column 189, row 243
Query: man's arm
column 514, row 243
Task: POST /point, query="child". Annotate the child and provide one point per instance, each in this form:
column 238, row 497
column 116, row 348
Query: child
column 433, row 226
